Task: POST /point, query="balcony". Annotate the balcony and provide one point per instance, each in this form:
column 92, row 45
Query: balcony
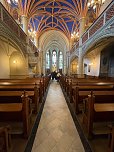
column 104, row 20
column 7, row 20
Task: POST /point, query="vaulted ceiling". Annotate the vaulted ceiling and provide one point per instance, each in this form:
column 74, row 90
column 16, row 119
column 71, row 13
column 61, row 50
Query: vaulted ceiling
column 60, row 15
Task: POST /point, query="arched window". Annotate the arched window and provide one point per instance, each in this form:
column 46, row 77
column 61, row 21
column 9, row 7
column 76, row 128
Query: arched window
column 54, row 60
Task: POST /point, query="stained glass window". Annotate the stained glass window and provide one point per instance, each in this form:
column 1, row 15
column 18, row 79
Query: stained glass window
column 54, row 60
column 60, row 60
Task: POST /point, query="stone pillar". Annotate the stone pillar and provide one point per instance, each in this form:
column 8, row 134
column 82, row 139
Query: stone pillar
column 3, row 2
column 38, row 67
column 38, row 58
column 36, row 41
column 40, row 63
column 82, row 26
column 25, row 24
column 57, row 61
column 50, row 59
column 44, row 62
column 68, row 63
column 80, row 63
column 64, row 67
column 27, row 66
column 80, row 58
column 64, row 64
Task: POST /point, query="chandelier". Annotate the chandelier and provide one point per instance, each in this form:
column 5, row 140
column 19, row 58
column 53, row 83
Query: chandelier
column 13, row 2
column 75, row 36
column 32, row 34
column 95, row 3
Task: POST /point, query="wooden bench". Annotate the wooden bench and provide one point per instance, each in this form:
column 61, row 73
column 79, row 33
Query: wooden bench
column 43, row 81
column 80, row 92
column 13, row 110
column 5, row 139
column 69, row 84
column 86, row 83
column 99, row 107
column 111, row 140
column 33, row 91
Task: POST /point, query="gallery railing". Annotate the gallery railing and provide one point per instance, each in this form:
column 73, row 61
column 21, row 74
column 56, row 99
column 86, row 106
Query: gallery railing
column 10, row 23
column 105, row 16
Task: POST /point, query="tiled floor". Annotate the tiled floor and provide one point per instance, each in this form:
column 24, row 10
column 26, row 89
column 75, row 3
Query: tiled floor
column 56, row 131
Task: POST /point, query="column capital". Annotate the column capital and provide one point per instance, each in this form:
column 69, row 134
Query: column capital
column 24, row 16
column 81, row 18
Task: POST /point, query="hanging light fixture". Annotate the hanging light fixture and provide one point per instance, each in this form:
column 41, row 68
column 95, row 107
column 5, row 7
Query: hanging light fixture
column 15, row 2
column 75, row 36
column 94, row 3
column 32, row 34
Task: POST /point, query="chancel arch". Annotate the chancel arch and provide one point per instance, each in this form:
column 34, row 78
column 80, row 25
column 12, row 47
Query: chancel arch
column 54, row 45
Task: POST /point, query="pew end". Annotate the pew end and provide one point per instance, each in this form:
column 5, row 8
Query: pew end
column 111, row 140
column 5, row 139
column 18, row 115
column 97, row 114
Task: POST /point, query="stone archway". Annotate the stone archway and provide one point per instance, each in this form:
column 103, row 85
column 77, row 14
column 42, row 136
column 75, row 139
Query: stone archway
column 53, row 40
column 107, row 61
column 17, row 65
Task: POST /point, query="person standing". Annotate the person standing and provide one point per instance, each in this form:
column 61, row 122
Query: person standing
column 58, row 76
column 54, row 75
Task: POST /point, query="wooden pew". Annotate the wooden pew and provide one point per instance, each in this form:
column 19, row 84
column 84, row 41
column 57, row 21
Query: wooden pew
column 44, row 81
column 33, row 90
column 71, row 83
column 99, row 107
column 111, row 140
column 13, row 110
column 41, row 82
column 81, row 92
column 5, row 139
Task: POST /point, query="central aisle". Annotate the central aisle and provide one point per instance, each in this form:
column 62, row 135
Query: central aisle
column 56, row 131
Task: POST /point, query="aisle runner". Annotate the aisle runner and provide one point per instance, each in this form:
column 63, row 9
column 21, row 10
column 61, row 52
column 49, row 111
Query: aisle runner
column 56, row 131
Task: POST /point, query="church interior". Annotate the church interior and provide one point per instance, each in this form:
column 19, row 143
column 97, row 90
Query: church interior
column 57, row 76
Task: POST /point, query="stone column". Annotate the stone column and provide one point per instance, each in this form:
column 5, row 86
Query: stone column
column 68, row 63
column 82, row 26
column 80, row 63
column 25, row 23
column 36, row 41
column 38, row 66
column 40, row 63
column 44, row 62
column 50, row 59
column 27, row 67
column 80, row 58
column 64, row 64
column 38, row 58
column 57, row 61
column 3, row 2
